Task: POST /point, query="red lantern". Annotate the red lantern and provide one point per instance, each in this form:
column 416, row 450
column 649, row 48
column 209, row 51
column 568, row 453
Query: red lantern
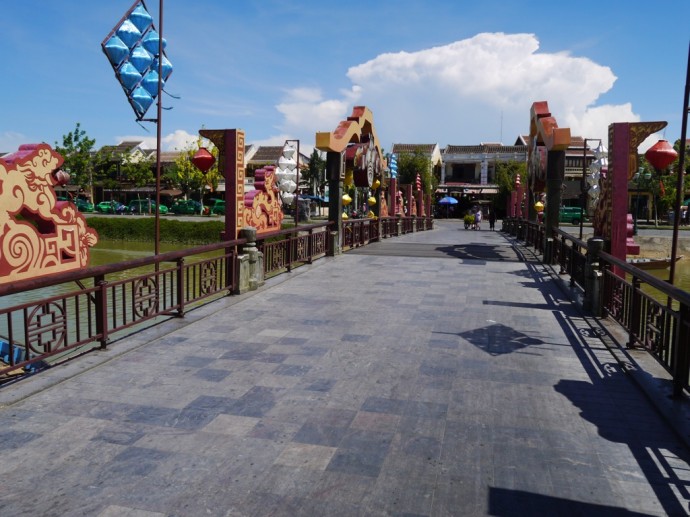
column 661, row 155
column 203, row 160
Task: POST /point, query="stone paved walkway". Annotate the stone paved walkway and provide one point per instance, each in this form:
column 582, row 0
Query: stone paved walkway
column 431, row 374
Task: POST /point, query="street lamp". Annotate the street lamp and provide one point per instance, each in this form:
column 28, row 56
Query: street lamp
column 583, row 180
column 639, row 175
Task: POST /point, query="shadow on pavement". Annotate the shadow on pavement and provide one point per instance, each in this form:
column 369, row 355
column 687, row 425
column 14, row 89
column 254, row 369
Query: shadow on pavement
column 516, row 503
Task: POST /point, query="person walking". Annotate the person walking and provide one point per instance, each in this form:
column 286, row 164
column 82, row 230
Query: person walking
column 478, row 219
column 492, row 220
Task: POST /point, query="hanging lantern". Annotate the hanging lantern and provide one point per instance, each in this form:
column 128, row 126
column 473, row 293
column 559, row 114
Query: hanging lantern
column 661, row 155
column 349, row 178
column 203, row 160
column 539, row 207
column 600, row 151
column 345, row 216
column 371, row 200
column 346, row 199
column 376, row 184
column 61, row 177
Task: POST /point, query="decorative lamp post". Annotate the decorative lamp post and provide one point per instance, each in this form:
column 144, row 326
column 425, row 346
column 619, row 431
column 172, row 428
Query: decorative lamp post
column 639, row 176
column 681, row 171
column 136, row 52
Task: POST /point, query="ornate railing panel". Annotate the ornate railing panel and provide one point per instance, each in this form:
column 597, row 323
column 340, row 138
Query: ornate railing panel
column 289, row 248
column 658, row 321
column 120, row 296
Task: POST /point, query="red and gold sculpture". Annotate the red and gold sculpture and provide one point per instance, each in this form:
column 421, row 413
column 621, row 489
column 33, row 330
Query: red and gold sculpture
column 261, row 206
column 39, row 235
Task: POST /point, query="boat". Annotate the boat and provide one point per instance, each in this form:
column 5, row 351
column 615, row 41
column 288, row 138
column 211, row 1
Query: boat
column 651, row 263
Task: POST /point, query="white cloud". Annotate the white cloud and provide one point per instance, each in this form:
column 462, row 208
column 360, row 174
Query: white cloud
column 469, row 91
column 175, row 141
column 305, row 111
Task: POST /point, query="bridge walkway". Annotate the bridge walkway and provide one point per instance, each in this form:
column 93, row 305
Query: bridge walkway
column 437, row 373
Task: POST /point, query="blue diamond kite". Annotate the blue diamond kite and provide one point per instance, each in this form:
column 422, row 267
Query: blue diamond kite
column 132, row 48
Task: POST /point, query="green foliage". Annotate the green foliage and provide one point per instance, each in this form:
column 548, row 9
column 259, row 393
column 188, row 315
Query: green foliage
column 506, row 172
column 411, row 164
column 315, row 174
column 138, row 170
column 189, row 178
column 76, row 150
column 142, row 229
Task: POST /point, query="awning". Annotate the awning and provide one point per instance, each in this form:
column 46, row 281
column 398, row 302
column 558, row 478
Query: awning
column 480, row 190
column 171, row 192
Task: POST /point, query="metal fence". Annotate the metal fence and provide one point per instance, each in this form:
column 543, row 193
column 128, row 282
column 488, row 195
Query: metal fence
column 655, row 314
column 106, row 301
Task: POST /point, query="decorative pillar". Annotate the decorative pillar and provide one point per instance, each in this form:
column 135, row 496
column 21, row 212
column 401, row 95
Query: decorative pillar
column 555, row 171
column 392, row 193
column 230, row 144
column 335, row 173
column 611, row 213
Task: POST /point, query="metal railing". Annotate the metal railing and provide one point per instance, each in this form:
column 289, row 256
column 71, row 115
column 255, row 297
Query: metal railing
column 109, row 301
column 113, row 301
column 286, row 249
column 655, row 314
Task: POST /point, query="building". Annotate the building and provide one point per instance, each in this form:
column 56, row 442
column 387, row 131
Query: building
column 469, row 171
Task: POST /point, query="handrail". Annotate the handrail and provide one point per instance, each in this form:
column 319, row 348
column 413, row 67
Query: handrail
column 661, row 327
column 90, row 272
column 52, row 328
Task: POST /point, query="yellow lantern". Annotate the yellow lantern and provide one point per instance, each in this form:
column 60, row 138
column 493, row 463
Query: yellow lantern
column 371, row 215
column 376, row 184
column 345, row 216
column 371, row 200
column 349, row 178
column 346, row 199
column 539, row 207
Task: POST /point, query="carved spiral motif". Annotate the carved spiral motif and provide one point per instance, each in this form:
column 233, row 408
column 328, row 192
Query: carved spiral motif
column 20, row 248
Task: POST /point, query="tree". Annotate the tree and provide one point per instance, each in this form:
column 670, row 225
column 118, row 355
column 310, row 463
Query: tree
column 314, row 174
column 76, row 149
column 506, row 172
column 417, row 162
column 189, row 178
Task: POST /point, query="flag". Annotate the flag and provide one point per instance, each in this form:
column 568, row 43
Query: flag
column 419, row 182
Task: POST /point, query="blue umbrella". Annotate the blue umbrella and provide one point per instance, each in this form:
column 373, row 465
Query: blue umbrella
column 448, row 201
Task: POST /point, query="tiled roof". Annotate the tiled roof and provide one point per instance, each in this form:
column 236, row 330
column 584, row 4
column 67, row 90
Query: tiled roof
column 411, row 148
column 484, row 148
column 121, row 148
column 267, row 154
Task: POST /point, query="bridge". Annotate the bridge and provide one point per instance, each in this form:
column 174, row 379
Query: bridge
column 443, row 372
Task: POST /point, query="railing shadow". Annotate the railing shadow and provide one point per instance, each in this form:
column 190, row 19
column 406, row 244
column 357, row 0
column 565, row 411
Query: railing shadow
column 518, row 503
column 616, row 408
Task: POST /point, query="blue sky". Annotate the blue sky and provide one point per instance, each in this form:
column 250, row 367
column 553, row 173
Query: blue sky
column 449, row 72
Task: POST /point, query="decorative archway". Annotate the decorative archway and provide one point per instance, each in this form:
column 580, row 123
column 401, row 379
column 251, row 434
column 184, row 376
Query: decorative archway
column 546, row 141
column 367, row 159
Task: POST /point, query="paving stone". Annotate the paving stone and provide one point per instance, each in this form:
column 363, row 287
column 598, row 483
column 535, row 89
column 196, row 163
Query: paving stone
column 458, row 380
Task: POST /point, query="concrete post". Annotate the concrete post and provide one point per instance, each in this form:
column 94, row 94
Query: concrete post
column 593, row 277
column 335, row 173
column 251, row 263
